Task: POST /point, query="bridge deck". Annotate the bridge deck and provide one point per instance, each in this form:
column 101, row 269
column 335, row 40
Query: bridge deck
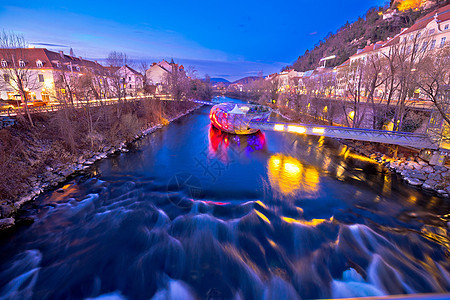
column 380, row 136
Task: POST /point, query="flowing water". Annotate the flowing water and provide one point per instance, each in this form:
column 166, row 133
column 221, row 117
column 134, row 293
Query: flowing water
column 193, row 213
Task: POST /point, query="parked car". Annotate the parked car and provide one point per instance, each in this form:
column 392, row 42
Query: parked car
column 39, row 103
column 5, row 105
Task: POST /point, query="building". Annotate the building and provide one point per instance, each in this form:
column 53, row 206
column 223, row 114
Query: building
column 158, row 72
column 49, row 75
column 133, row 81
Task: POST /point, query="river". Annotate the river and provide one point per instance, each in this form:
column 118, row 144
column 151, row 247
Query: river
column 193, row 213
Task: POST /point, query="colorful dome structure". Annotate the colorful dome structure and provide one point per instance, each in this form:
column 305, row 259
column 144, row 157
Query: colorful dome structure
column 235, row 118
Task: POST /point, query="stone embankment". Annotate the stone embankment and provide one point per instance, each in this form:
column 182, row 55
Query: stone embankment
column 52, row 178
column 412, row 169
column 419, row 173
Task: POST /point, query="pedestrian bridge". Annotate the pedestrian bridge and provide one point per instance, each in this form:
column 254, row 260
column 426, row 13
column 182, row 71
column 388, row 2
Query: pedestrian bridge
column 406, row 139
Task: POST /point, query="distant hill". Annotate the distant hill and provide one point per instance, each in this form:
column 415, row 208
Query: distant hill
column 247, row 80
column 378, row 24
column 217, row 80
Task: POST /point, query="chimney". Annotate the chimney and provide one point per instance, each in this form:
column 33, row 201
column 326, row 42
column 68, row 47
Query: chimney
column 61, row 53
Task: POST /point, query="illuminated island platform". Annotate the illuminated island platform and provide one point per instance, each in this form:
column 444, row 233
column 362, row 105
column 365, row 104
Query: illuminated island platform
column 235, row 118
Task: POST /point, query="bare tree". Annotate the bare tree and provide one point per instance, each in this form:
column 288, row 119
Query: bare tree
column 177, row 83
column 433, row 74
column 116, row 60
column 16, row 69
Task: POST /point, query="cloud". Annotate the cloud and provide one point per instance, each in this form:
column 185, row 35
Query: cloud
column 48, row 44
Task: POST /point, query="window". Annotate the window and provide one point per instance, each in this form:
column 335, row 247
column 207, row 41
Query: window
column 419, row 34
column 424, row 46
column 58, row 64
column 411, row 37
column 408, row 50
column 446, row 27
column 4, row 63
column 21, row 64
column 431, row 31
column 78, row 68
column 433, row 44
column 6, row 78
column 39, row 64
column 41, row 77
column 129, row 78
column 69, row 67
column 443, row 42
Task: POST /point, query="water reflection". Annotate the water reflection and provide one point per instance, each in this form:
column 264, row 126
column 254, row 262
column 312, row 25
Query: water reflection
column 289, row 176
column 221, row 142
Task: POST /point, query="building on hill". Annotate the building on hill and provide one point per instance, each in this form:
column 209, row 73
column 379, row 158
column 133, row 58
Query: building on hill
column 51, row 75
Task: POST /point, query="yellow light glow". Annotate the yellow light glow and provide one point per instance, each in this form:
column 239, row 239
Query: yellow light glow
column 318, row 130
column 288, row 176
column 278, row 127
column 351, row 115
column 325, row 109
column 313, row 222
column 260, row 203
column 296, row 129
column 262, row 216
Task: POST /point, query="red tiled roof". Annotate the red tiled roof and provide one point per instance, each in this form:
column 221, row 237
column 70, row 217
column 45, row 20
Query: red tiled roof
column 50, row 60
column 443, row 14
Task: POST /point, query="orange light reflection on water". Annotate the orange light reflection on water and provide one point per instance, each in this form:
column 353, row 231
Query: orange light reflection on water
column 289, row 176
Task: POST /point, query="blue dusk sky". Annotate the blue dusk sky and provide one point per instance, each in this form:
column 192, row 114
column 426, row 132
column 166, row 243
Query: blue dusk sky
column 229, row 39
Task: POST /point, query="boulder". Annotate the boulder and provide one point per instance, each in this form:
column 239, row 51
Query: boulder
column 428, row 169
column 418, row 175
column 6, row 223
column 6, row 210
column 413, row 181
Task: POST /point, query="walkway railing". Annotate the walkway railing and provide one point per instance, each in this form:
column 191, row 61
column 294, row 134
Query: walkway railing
column 370, row 135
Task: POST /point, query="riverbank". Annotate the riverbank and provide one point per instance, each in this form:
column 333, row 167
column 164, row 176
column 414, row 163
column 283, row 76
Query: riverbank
column 65, row 144
column 412, row 169
column 409, row 166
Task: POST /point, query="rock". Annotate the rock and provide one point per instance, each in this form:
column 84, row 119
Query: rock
column 88, row 162
column 434, row 176
column 418, row 175
column 441, row 192
column 426, row 186
column 413, row 181
column 6, row 210
column 6, row 223
column 409, row 167
column 428, row 169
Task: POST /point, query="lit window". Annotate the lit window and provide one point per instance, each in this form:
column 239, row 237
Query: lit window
column 41, row 77
column 4, row 63
column 39, row 63
column 433, row 44
column 21, row 64
column 443, row 41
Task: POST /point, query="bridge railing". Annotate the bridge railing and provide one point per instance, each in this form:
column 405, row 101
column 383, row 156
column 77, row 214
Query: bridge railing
column 381, row 136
